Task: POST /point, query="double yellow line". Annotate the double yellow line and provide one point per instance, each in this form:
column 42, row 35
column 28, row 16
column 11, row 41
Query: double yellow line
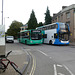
column 33, row 65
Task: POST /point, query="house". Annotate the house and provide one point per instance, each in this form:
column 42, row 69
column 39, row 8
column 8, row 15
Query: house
column 24, row 27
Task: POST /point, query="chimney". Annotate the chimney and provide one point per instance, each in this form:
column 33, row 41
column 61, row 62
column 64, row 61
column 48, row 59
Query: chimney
column 63, row 7
column 54, row 14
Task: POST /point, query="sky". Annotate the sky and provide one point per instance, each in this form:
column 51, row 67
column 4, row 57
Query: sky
column 20, row 10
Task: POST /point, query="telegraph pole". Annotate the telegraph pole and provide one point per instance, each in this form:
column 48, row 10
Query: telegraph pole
column 2, row 12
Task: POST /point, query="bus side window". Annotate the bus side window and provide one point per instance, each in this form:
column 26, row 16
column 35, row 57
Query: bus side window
column 52, row 26
column 22, row 34
column 44, row 35
column 43, row 28
column 56, row 26
column 49, row 27
column 55, row 35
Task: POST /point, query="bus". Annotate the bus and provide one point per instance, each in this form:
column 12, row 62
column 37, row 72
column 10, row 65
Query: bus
column 30, row 37
column 55, row 33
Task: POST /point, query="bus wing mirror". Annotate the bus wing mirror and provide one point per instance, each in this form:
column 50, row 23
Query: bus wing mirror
column 44, row 35
column 70, row 33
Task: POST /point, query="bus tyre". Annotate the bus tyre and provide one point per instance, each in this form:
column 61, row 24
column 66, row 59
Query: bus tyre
column 50, row 42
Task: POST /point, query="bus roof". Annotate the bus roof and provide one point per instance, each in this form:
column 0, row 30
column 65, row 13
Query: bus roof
column 45, row 25
column 48, row 25
column 24, row 31
column 27, row 30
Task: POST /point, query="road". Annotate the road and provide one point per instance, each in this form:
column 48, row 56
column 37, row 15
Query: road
column 50, row 59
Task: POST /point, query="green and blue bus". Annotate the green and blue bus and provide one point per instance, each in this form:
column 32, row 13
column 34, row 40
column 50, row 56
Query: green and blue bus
column 55, row 33
column 30, row 37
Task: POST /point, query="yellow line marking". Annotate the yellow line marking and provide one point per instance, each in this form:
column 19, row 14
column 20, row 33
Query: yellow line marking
column 34, row 65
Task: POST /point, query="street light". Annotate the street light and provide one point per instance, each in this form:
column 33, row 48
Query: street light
column 4, row 19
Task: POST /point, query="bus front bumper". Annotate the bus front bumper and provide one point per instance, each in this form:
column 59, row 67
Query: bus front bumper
column 35, row 42
column 58, row 42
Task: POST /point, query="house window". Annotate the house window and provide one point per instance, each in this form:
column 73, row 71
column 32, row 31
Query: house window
column 62, row 17
column 56, row 19
column 74, row 10
column 68, row 15
column 22, row 28
column 59, row 18
column 68, row 23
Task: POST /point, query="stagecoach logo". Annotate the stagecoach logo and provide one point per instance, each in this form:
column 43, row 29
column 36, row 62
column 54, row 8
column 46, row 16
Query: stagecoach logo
column 2, row 34
column 2, row 31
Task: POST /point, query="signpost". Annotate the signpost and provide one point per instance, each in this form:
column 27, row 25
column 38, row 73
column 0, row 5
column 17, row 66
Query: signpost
column 2, row 40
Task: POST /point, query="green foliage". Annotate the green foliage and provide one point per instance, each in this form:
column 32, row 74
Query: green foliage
column 40, row 24
column 32, row 23
column 14, row 28
column 47, row 17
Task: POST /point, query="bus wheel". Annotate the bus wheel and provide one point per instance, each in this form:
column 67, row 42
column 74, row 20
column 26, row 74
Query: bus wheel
column 50, row 42
column 25, row 42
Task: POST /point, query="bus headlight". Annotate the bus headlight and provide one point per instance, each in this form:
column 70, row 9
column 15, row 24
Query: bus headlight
column 31, row 41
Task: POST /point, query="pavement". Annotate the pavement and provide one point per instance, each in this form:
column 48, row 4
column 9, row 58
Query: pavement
column 20, row 57
column 72, row 44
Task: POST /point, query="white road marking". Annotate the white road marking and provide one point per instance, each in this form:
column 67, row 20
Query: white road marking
column 60, row 74
column 43, row 53
column 55, row 70
column 68, row 70
column 25, row 62
column 50, row 57
column 59, row 65
column 26, row 52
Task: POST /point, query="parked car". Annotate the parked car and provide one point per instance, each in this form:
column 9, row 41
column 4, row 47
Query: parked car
column 9, row 39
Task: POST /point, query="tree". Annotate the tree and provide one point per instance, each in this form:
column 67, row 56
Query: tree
column 40, row 24
column 14, row 28
column 47, row 17
column 32, row 23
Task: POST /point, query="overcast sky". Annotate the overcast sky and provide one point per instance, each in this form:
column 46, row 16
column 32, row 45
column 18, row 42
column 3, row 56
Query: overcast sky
column 20, row 10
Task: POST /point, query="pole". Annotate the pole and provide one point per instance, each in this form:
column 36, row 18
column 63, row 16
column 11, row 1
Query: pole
column 4, row 19
column 2, row 37
column 2, row 12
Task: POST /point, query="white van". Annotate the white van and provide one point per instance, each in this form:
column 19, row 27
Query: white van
column 9, row 39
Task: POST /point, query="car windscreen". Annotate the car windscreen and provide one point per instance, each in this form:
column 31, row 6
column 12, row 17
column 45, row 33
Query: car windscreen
column 9, row 37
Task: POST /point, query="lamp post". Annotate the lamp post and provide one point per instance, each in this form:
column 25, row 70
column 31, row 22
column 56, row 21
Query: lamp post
column 2, row 37
column 4, row 19
column 2, row 12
